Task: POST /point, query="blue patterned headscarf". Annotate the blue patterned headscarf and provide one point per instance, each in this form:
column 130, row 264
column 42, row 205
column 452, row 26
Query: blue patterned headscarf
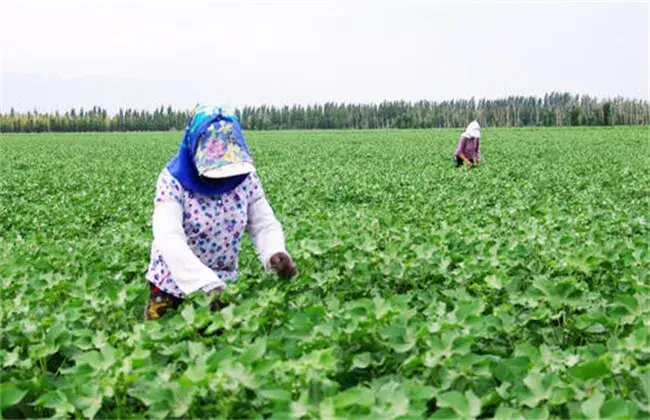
column 213, row 158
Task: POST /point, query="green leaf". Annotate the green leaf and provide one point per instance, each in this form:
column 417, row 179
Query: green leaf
column 195, row 349
column 10, row 395
column 596, row 329
column 11, row 358
column 616, row 409
column 254, row 351
column 57, row 335
column 275, row 394
column 183, row 397
column 326, row 409
column 300, row 408
column 92, row 358
column 355, row 396
column 188, row 314
column 382, row 307
column 456, row 401
column 240, row 374
column 395, row 406
column 594, row 369
column 540, row 388
column 57, row 401
column 545, row 355
column 92, row 405
column 42, row 350
column 591, row 407
column 108, row 355
column 462, row 345
column 197, row 372
column 445, row 414
column 507, row 413
column 474, row 404
column 419, row 392
column 539, row 413
column 493, row 282
column 537, row 384
column 400, row 339
column 529, row 351
column 512, row 369
column 361, row 361
column 99, row 339
column 214, row 360
column 98, row 360
column 644, row 378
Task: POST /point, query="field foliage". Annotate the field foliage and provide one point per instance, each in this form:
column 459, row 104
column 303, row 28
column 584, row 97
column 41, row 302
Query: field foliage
column 519, row 289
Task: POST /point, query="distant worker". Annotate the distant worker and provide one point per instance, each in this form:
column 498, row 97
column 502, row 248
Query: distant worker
column 468, row 150
column 206, row 197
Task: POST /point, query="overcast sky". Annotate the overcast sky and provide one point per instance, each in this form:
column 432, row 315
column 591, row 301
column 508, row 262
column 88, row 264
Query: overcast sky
column 59, row 54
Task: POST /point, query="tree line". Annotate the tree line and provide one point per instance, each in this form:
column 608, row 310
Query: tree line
column 554, row 109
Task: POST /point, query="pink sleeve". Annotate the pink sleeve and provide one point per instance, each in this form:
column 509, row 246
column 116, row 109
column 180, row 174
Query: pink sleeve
column 478, row 148
column 461, row 146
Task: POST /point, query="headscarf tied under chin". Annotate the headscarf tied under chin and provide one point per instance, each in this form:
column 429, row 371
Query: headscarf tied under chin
column 473, row 130
column 213, row 158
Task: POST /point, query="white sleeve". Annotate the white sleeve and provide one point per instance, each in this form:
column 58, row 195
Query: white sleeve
column 189, row 273
column 266, row 231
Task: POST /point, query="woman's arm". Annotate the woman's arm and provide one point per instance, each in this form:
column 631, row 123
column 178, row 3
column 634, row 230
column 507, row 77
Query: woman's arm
column 266, row 231
column 188, row 272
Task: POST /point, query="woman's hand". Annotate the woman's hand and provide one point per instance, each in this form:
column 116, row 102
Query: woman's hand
column 283, row 265
column 216, row 304
column 469, row 163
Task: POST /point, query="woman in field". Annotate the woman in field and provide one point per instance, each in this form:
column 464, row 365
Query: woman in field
column 206, row 197
column 468, row 151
